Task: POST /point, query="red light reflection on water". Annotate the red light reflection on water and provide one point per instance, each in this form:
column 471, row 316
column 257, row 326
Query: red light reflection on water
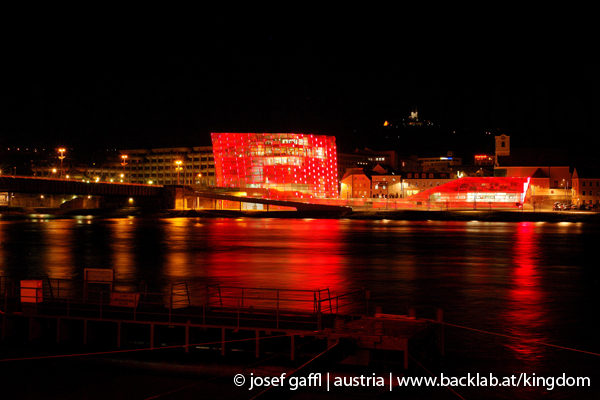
column 526, row 314
column 298, row 254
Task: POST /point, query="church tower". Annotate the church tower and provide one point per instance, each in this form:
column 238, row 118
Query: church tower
column 502, row 146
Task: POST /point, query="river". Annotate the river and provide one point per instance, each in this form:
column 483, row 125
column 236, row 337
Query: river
column 527, row 281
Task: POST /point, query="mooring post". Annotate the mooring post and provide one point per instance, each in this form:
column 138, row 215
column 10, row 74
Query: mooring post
column 257, row 351
column 85, row 329
column 412, row 313
column 405, row 350
column 187, row 336
column 440, row 320
column 5, row 311
column 222, row 341
column 118, row 334
column 152, row 336
column 293, row 348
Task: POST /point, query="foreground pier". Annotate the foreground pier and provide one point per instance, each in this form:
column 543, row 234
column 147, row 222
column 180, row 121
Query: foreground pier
column 209, row 317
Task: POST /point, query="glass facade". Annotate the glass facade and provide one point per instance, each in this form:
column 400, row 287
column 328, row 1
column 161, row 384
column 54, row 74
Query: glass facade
column 283, row 165
column 467, row 192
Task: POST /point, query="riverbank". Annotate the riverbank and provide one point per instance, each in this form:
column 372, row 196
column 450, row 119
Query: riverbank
column 396, row 215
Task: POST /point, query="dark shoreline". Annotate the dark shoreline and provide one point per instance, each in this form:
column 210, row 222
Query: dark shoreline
column 396, row 215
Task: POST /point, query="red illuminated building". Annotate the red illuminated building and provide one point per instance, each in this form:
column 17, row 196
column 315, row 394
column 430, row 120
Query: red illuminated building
column 493, row 192
column 277, row 165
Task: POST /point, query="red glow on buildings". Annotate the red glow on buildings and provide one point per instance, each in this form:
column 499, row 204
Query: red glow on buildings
column 468, row 192
column 283, row 165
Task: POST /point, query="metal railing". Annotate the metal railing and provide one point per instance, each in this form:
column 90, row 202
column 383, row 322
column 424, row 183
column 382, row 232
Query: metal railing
column 210, row 304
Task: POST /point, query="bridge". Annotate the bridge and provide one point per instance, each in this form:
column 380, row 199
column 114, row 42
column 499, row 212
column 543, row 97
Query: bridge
column 28, row 184
column 170, row 197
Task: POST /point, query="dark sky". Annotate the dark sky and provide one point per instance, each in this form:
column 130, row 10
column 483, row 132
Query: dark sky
column 148, row 79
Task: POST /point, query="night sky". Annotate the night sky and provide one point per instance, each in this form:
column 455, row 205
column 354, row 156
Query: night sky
column 144, row 79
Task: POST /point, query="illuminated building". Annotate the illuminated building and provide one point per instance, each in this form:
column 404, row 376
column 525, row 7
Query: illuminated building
column 586, row 187
column 470, row 192
column 484, row 159
column 164, row 166
column 282, row 165
column 439, row 164
column 356, row 184
column 4, row 199
column 417, row 182
column 413, row 120
column 386, row 183
column 502, row 146
column 365, row 158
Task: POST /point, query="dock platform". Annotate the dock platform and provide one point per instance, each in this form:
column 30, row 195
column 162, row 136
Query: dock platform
column 222, row 318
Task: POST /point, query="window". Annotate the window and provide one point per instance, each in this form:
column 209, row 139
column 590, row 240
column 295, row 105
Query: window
column 583, row 184
column 583, row 193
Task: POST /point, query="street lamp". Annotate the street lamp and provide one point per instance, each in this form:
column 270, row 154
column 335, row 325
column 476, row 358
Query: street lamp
column 61, row 158
column 124, row 163
column 566, row 189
